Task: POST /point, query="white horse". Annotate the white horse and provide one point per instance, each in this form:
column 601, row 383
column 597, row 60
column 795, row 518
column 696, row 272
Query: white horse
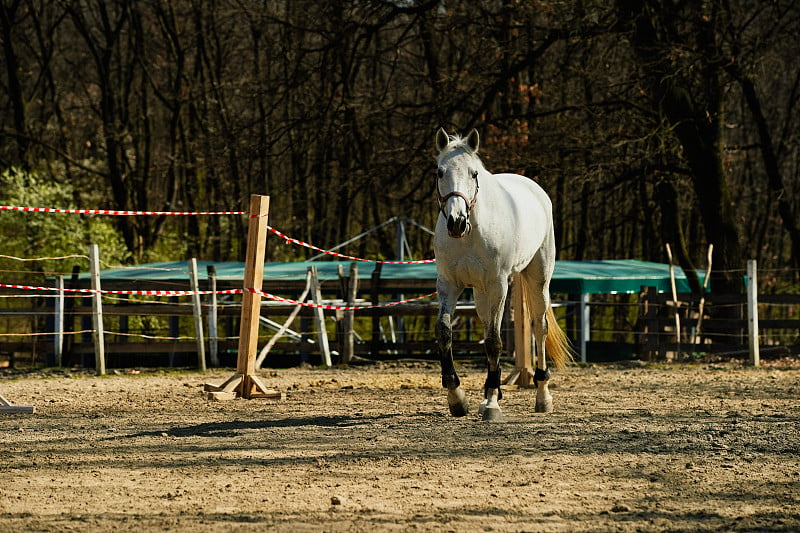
column 491, row 227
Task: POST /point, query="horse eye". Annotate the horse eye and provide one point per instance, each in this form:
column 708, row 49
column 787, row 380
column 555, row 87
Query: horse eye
column 440, row 172
column 475, row 174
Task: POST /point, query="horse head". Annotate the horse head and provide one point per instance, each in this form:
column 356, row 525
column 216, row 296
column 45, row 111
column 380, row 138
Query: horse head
column 457, row 172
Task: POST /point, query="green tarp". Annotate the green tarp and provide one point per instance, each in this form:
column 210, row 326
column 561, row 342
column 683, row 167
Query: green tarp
column 570, row 277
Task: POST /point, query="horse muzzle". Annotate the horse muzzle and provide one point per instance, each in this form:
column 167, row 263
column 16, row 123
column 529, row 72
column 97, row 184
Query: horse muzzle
column 457, row 226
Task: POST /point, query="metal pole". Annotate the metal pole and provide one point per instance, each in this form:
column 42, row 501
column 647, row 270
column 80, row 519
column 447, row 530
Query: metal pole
column 97, row 311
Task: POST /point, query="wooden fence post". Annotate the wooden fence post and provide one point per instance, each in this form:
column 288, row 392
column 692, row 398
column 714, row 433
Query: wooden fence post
column 376, row 318
column 97, row 312
column 752, row 313
column 349, row 316
column 197, row 312
column 213, row 334
column 245, row 383
column 585, row 321
column 319, row 318
column 58, row 342
column 675, row 302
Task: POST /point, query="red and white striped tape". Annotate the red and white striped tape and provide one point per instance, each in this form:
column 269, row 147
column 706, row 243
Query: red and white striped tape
column 337, row 254
column 116, row 212
column 189, row 213
column 227, row 291
column 104, row 291
column 337, row 307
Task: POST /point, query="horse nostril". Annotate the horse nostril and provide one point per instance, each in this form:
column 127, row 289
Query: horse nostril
column 451, row 223
column 462, row 225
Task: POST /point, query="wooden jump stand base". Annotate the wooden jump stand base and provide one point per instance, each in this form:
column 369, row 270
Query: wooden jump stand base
column 245, row 383
column 521, row 377
column 242, row 386
column 8, row 407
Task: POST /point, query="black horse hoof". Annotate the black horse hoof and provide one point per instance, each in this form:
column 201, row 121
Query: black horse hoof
column 457, row 400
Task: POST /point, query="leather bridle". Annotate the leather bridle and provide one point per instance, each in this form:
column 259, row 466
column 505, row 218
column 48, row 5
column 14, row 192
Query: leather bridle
column 442, row 199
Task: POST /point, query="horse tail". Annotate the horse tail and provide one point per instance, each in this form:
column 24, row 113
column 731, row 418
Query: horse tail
column 557, row 345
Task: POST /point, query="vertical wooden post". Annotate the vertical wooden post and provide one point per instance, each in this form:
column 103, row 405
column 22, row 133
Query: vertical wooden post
column 376, row 318
column 585, row 320
column 319, row 318
column 698, row 331
column 213, row 335
column 253, row 279
column 523, row 356
column 58, row 342
column 675, row 302
column 197, row 311
column 350, row 315
column 752, row 313
column 123, row 321
column 97, row 312
column 69, row 317
column 245, row 383
column 174, row 323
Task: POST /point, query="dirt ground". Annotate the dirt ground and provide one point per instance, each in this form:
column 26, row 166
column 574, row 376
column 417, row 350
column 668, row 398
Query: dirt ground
column 712, row 447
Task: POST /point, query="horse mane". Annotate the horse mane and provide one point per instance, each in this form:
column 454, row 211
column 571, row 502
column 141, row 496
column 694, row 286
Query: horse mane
column 456, row 142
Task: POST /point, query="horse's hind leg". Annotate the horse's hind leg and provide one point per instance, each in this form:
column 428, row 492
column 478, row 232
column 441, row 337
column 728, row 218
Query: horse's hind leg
column 490, row 310
column 540, row 303
column 456, row 399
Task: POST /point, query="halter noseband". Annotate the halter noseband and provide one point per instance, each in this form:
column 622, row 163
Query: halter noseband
column 470, row 203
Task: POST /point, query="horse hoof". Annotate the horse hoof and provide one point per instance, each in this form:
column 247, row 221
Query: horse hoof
column 457, row 400
column 545, row 406
column 459, row 409
column 492, row 414
column 489, row 410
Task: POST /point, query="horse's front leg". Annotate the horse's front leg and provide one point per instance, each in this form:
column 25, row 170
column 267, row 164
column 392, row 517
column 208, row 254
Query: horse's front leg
column 489, row 306
column 490, row 406
column 456, row 399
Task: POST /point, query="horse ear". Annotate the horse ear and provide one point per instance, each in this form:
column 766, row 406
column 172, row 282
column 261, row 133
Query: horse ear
column 473, row 140
column 442, row 139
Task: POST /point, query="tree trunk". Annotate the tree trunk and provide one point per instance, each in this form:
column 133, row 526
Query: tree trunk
column 691, row 107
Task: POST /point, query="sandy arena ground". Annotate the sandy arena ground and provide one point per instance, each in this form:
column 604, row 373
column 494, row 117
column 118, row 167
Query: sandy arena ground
column 713, row 447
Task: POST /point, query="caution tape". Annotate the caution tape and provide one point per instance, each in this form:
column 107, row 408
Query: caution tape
column 105, row 291
column 337, row 307
column 198, row 213
column 337, row 254
column 227, row 291
column 118, row 212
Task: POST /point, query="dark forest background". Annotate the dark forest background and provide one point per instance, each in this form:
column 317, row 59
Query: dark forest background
column 648, row 122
